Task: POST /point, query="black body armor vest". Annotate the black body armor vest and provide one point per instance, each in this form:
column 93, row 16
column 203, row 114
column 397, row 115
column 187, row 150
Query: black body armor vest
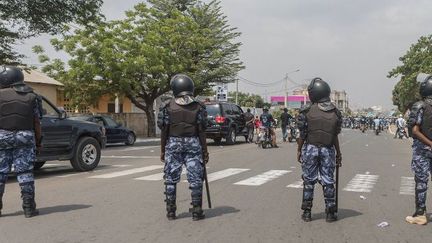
column 16, row 110
column 183, row 119
column 322, row 126
column 426, row 126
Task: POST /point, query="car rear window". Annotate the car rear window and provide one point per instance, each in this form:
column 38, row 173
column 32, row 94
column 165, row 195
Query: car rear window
column 213, row 110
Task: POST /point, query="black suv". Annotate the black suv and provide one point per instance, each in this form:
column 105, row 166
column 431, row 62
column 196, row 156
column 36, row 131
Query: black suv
column 225, row 120
column 65, row 139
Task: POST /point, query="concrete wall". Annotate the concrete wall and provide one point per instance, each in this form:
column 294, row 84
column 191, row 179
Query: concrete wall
column 48, row 91
column 134, row 121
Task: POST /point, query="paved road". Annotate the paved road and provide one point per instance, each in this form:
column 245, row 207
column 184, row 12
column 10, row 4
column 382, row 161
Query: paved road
column 256, row 195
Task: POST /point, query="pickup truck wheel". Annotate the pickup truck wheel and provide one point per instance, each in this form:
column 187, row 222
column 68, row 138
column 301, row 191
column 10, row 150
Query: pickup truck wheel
column 131, row 139
column 231, row 137
column 38, row 165
column 87, row 154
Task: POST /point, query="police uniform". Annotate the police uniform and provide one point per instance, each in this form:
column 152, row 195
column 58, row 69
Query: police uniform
column 182, row 121
column 319, row 125
column 19, row 107
column 421, row 164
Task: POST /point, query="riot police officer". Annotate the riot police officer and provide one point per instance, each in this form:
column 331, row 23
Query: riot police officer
column 318, row 147
column 20, row 134
column 420, row 128
column 182, row 121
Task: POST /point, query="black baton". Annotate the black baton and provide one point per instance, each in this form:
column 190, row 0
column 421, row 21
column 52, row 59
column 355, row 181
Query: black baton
column 337, row 187
column 207, row 185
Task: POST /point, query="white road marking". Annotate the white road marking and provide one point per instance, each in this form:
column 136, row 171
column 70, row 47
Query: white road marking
column 156, row 177
column 224, row 173
column 407, row 186
column 127, row 172
column 297, row 184
column 121, row 166
column 361, row 183
column 263, row 178
column 52, row 165
column 129, row 157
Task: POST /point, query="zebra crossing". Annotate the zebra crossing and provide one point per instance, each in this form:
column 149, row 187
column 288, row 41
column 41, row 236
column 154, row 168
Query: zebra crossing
column 360, row 183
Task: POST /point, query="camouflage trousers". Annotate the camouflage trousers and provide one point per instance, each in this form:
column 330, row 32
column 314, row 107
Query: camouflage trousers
column 421, row 165
column 22, row 159
column 318, row 165
column 185, row 151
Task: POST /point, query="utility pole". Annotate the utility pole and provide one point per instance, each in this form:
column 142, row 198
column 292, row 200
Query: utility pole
column 236, row 97
column 286, row 86
column 286, row 91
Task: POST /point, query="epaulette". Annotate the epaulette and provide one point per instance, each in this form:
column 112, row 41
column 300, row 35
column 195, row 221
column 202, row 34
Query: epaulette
column 165, row 104
column 305, row 108
column 417, row 106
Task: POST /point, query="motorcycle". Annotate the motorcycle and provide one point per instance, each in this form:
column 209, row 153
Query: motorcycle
column 401, row 133
column 363, row 128
column 264, row 137
column 294, row 132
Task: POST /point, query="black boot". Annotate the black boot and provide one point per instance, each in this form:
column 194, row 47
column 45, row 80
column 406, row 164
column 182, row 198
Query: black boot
column 196, row 210
column 331, row 215
column 170, row 194
column 307, row 210
column 171, row 208
column 29, row 206
column 197, row 213
column 307, row 215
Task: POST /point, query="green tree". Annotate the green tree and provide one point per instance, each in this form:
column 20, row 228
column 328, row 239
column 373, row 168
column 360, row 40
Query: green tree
column 137, row 56
column 22, row 19
column 417, row 59
column 246, row 99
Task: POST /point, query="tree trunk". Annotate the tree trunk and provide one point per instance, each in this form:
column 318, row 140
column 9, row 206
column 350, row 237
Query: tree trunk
column 151, row 123
column 147, row 107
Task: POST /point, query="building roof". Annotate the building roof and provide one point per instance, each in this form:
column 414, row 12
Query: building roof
column 34, row 76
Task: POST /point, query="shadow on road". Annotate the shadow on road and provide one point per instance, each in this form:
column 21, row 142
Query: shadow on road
column 214, row 212
column 342, row 214
column 54, row 209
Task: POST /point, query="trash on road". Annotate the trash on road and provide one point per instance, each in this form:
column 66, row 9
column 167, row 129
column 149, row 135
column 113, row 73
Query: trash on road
column 393, row 165
column 367, row 145
column 367, row 172
column 383, row 224
column 151, row 151
column 362, row 197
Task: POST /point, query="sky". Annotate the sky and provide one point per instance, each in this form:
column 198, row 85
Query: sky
column 351, row 44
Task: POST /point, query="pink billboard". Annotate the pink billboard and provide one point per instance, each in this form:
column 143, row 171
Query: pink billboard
column 291, row 98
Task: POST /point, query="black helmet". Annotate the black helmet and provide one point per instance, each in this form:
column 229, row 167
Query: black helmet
column 285, row 109
column 425, row 84
column 10, row 75
column 319, row 91
column 181, row 85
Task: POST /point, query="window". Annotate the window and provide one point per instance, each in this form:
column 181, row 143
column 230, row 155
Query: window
column 48, row 110
column 99, row 121
column 236, row 110
column 227, row 109
column 110, row 122
column 213, row 110
column 111, row 108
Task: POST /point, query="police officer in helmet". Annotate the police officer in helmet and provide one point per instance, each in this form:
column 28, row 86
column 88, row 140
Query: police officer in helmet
column 20, row 134
column 318, row 147
column 182, row 121
column 420, row 129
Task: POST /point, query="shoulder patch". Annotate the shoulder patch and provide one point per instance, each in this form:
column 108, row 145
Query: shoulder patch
column 418, row 105
column 305, row 108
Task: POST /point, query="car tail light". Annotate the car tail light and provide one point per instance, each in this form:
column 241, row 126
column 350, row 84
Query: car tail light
column 220, row 119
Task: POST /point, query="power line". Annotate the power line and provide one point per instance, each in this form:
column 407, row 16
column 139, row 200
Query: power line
column 247, row 81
